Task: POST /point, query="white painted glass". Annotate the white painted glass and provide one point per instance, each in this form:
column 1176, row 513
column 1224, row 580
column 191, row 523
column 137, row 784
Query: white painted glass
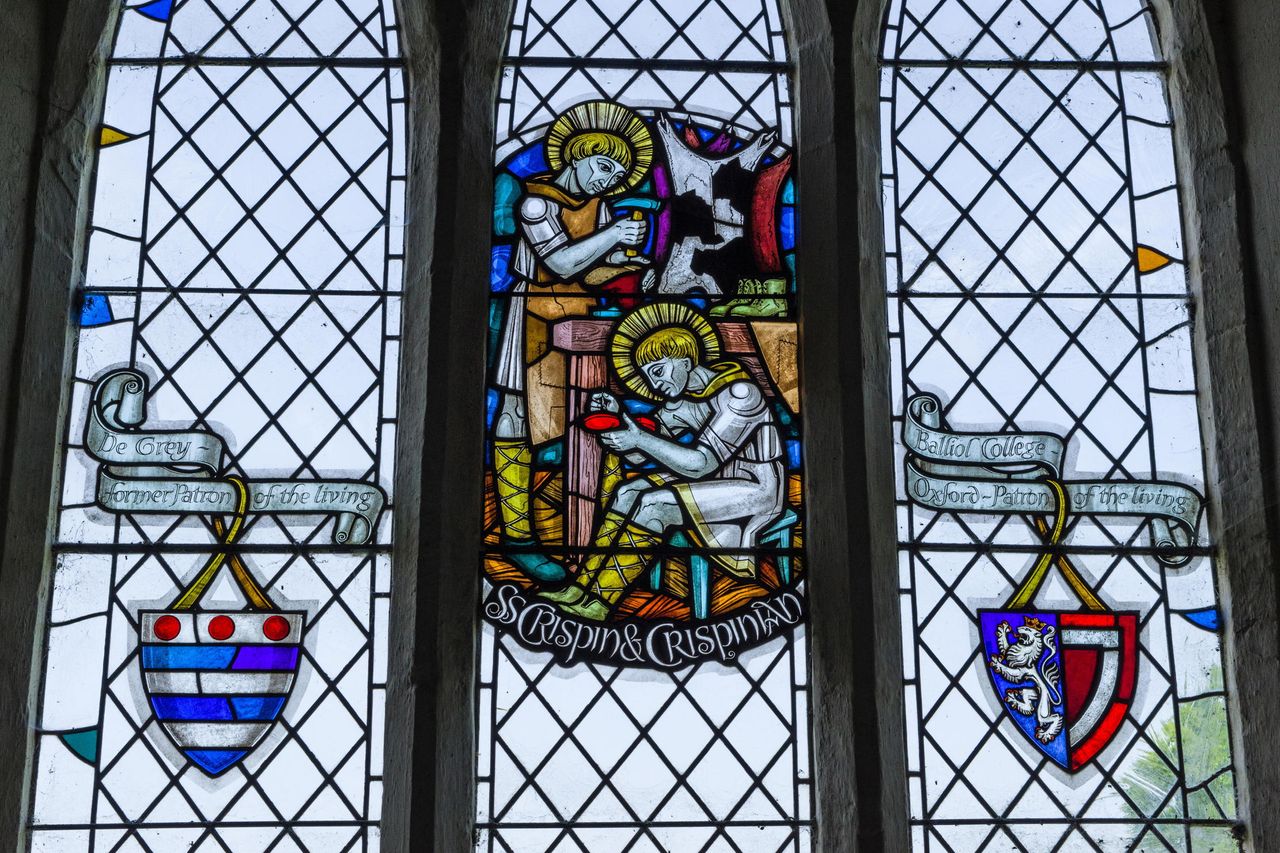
column 1062, row 649
column 237, row 326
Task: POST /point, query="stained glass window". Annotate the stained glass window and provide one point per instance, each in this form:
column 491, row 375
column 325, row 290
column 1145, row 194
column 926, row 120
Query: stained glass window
column 215, row 651
column 1061, row 629
column 643, row 677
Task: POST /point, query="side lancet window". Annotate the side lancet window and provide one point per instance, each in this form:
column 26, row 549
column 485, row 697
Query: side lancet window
column 215, row 651
column 1062, row 659
column 643, row 677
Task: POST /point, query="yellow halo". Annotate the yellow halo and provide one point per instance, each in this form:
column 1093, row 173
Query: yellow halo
column 645, row 320
column 609, row 118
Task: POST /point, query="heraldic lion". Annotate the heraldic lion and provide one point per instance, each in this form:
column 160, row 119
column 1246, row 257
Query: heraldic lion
column 1028, row 663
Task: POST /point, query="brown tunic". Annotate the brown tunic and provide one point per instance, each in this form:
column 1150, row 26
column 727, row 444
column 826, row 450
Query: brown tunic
column 549, row 219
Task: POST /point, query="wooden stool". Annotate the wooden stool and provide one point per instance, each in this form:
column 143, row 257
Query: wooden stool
column 780, row 536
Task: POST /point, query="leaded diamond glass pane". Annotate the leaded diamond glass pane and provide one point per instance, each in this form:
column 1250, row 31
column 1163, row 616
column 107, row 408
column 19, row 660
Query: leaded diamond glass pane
column 217, row 628
column 1063, row 664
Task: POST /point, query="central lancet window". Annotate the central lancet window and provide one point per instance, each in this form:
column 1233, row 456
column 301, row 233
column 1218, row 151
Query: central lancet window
column 643, row 672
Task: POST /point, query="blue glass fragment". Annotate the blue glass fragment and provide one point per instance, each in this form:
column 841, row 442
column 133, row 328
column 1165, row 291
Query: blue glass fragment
column 497, row 316
column 794, row 455
column 789, row 191
column 267, row 658
column 529, row 162
column 551, row 455
column 257, row 707
column 500, row 269
column 1207, row 618
column 506, row 192
column 214, row 761
column 159, row 10
column 95, row 310
column 787, row 228
column 187, row 657
column 190, row 708
column 634, row 202
column 491, row 399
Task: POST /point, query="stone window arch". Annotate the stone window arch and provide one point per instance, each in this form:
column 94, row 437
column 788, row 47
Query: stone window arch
column 861, row 773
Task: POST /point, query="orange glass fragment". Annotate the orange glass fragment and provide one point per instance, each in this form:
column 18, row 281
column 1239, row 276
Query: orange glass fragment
column 1150, row 260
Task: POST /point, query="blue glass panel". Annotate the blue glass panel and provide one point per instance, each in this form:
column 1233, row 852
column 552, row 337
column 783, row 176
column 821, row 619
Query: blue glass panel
column 160, row 10
column 83, row 743
column 787, row 227
column 506, row 192
column 257, row 707
column 1208, row 618
column 187, row 657
column 267, row 658
column 214, row 761
column 500, row 269
column 529, row 162
column 191, row 708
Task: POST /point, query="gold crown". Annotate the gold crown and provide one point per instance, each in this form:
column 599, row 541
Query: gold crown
column 1033, row 623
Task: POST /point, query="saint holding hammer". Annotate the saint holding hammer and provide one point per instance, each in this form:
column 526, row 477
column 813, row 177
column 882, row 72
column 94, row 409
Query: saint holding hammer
column 572, row 250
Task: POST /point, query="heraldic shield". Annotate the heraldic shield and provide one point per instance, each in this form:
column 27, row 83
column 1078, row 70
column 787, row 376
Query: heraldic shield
column 1066, row 679
column 218, row 681
column 1065, row 676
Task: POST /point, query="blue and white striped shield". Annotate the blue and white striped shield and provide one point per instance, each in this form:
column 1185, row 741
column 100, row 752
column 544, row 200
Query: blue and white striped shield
column 218, row 681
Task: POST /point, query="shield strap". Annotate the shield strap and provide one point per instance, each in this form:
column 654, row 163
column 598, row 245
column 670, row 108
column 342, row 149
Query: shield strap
column 227, row 533
column 1025, row 594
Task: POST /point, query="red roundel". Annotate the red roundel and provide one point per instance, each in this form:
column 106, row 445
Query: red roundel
column 601, row 422
column 167, row 627
column 609, row 421
column 276, row 628
column 221, row 627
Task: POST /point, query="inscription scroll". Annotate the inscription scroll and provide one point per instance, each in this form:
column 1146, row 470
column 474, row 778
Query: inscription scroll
column 1008, row 473
column 172, row 472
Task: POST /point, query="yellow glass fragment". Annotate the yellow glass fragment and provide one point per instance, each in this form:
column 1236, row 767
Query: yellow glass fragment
column 1150, row 260
column 111, row 136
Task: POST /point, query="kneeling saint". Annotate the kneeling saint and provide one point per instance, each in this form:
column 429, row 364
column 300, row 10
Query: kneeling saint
column 724, row 487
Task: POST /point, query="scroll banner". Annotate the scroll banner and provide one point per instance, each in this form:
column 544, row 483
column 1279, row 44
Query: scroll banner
column 163, row 472
column 1004, row 473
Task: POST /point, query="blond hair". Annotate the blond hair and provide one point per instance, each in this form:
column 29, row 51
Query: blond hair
column 671, row 342
column 586, row 145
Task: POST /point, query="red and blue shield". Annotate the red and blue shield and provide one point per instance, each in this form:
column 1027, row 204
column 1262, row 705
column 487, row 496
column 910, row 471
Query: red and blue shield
column 217, row 682
column 1066, row 679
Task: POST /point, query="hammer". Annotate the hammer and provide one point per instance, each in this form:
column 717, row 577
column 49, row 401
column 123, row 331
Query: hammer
column 636, row 216
column 637, row 206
